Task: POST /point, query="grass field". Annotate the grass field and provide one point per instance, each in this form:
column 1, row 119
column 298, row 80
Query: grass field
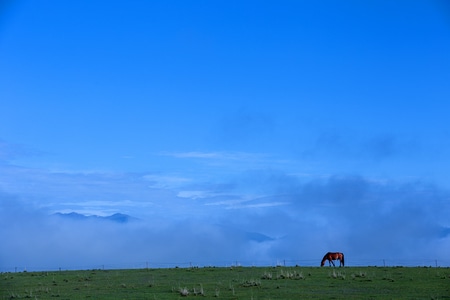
column 231, row 283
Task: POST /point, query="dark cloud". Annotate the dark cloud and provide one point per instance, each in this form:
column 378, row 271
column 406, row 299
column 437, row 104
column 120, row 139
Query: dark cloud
column 445, row 232
column 366, row 218
column 382, row 147
column 244, row 127
column 375, row 147
column 387, row 146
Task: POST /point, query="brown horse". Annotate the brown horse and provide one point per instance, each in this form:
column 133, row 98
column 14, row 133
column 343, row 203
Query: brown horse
column 330, row 256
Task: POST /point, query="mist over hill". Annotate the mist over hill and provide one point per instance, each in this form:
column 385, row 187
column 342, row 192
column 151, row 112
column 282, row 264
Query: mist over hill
column 117, row 217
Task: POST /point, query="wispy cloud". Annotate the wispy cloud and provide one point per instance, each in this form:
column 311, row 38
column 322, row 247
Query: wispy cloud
column 257, row 205
column 248, row 202
column 166, row 181
column 205, row 155
column 226, row 156
column 11, row 151
column 199, row 194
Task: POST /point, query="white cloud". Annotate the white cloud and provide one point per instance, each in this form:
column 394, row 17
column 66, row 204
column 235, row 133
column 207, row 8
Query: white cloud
column 194, row 154
column 166, row 181
column 195, row 194
column 258, row 205
column 248, row 157
column 247, row 201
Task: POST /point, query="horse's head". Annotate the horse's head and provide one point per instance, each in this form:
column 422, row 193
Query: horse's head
column 322, row 263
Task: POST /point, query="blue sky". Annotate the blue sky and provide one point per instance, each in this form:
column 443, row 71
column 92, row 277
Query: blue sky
column 321, row 126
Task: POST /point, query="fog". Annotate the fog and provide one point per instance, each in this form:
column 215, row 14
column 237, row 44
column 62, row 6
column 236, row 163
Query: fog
column 371, row 222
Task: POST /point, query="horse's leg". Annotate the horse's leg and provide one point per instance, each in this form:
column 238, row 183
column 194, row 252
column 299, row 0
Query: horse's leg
column 332, row 262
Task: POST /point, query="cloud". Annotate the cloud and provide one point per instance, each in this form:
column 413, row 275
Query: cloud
column 379, row 219
column 224, row 157
column 206, row 155
column 219, row 218
column 244, row 126
column 199, row 194
column 374, row 147
column 10, row 151
column 101, row 193
column 445, row 231
column 367, row 219
column 387, row 146
column 247, row 203
column 36, row 241
column 166, row 181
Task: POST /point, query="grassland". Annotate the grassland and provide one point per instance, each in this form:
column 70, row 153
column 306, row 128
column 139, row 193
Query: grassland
column 231, row 283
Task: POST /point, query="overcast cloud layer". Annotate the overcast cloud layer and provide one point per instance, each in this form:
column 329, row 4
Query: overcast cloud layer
column 231, row 132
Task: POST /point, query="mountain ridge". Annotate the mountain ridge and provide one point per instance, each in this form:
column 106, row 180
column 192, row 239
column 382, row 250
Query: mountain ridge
column 117, row 217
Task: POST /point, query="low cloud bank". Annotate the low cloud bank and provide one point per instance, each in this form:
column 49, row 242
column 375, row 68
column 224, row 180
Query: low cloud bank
column 368, row 221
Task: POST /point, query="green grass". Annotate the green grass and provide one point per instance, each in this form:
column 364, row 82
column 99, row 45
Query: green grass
column 231, row 283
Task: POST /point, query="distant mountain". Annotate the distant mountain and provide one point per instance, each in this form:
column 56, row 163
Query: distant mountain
column 118, row 217
column 246, row 235
column 445, row 231
column 258, row 237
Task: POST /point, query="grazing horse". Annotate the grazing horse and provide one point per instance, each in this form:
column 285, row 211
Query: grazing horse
column 330, row 256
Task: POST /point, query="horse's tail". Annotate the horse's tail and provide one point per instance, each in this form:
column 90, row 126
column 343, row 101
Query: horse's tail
column 343, row 264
